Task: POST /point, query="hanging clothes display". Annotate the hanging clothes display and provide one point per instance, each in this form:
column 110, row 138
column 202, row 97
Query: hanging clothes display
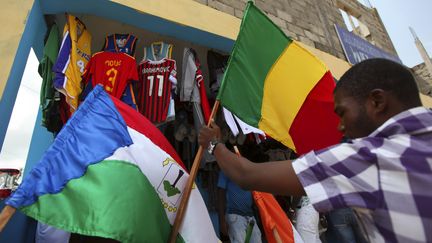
column 192, row 89
column 216, row 64
column 156, row 81
column 157, row 51
column 74, row 54
column 114, row 71
column 125, row 43
column 50, row 97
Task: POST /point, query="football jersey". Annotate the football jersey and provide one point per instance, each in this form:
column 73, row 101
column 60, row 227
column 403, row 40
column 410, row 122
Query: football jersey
column 73, row 56
column 157, row 51
column 121, row 43
column 113, row 70
column 49, row 97
column 156, row 82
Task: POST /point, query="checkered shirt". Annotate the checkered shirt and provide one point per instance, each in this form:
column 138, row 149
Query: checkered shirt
column 385, row 177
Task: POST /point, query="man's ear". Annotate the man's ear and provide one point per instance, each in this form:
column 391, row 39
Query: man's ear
column 378, row 100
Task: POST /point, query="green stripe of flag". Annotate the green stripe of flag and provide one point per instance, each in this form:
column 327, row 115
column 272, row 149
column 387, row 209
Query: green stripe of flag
column 124, row 211
column 259, row 44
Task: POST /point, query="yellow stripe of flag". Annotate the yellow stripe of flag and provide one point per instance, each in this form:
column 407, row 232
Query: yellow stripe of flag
column 286, row 87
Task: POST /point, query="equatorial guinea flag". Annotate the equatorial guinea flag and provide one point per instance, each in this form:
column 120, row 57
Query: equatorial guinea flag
column 274, row 84
column 111, row 173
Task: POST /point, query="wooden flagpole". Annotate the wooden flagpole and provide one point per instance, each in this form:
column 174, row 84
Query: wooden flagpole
column 188, row 188
column 5, row 215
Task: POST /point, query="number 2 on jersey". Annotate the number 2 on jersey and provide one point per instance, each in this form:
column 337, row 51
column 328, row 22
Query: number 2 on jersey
column 160, row 86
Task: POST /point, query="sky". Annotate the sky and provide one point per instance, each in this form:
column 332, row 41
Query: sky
column 18, row 136
column 397, row 16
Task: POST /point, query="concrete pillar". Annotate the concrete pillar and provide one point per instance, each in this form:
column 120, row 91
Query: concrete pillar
column 422, row 51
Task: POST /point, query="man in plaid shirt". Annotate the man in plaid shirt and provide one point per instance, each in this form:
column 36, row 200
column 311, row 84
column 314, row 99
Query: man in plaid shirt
column 384, row 172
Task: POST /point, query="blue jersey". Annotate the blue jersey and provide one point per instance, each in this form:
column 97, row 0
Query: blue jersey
column 121, row 43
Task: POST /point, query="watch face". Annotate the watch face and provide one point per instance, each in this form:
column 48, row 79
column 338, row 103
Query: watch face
column 212, row 146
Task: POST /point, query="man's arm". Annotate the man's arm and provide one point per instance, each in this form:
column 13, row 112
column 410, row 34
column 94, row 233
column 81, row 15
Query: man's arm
column 274, row 177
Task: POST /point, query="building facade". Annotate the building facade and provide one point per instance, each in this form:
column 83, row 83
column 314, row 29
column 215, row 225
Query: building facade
column 424, row 78
column 312, row 21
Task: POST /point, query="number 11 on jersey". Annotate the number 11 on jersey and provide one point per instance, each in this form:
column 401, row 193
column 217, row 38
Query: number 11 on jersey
column 160, row 86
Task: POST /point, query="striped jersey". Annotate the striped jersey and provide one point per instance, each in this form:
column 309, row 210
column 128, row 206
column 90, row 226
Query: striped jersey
column 74, row 53
column 156, row 80
column 113, row 70
column 157, row 51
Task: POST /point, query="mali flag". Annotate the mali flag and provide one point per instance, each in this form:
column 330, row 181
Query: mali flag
column 274, row 84
column 111, row 173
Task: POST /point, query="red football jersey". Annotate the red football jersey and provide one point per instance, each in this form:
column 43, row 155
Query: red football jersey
column 156, row 79
column 113, row 70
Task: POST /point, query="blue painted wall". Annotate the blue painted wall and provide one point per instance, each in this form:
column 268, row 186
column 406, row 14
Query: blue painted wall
column 22, row 228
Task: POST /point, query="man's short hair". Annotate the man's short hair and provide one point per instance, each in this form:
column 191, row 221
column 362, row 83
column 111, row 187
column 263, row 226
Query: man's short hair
column 379, row 73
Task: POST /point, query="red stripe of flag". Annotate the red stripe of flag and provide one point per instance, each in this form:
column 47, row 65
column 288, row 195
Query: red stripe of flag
column 309, row 130
column 141, row 124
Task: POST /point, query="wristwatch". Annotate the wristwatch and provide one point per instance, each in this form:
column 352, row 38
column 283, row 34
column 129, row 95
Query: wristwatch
column 212, row 146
